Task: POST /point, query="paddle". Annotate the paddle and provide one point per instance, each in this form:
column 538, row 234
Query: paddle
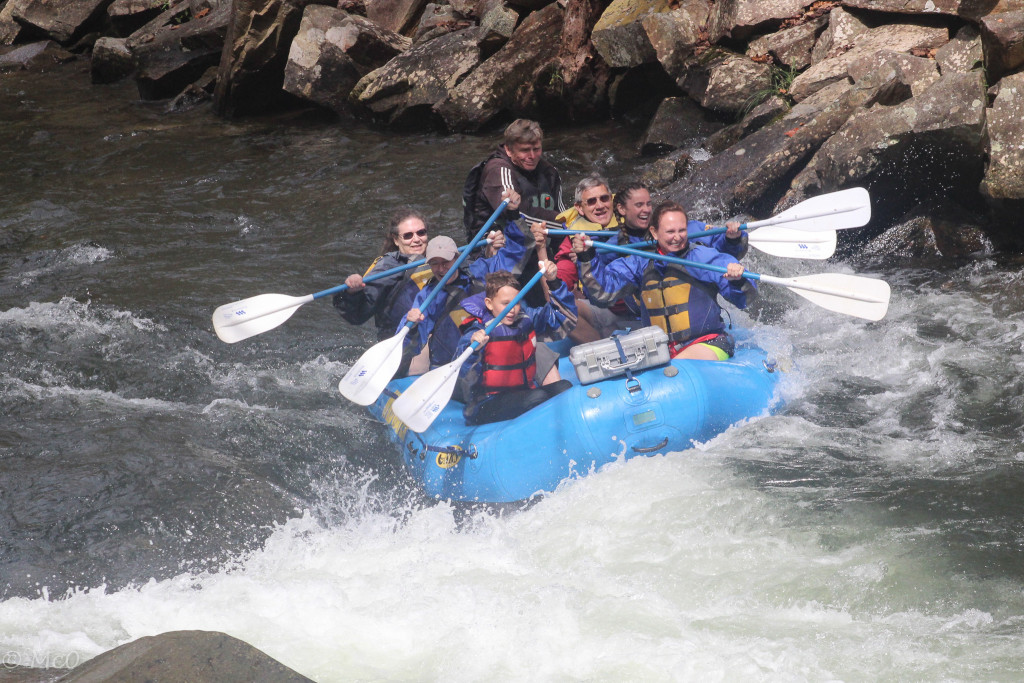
column 420, row 404
column 776, row 241
column 248, row 317
column 369, row 375
column 855, row 295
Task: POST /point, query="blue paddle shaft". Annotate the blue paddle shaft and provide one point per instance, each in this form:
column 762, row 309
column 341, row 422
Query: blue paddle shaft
column 511, row 304
column 378, row 276
column 710, row 232
column 458, row 262
column 670, row 259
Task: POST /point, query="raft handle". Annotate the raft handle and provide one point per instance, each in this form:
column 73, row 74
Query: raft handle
column 651, row 449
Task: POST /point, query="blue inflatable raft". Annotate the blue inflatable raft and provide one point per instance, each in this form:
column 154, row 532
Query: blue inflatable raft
column 658, row 410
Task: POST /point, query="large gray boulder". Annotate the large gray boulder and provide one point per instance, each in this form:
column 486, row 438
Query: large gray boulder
column 931, row 232
column 741, row 19
column 677, row 122
column 838, row 36
column 111, row 60
column 963, row 53
column 1003, row 38
column 399, row 16
column 899, row 76
column 965, row 8
column 506, row 82
column 727, row 82
column 10, row 30
column 416, row 80
column 60, row 20
column 791, row 46
column 251, row 73
column 332, row 51
column 1004, row 175
column 675, row 36
column 619, row 35
column 127, row 16
column 184, row 657
column 895, row 37
column 176, row 48
column 929, row 145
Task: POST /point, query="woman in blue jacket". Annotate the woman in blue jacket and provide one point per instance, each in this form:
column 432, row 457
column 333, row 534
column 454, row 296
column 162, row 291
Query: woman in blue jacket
column 681, row 300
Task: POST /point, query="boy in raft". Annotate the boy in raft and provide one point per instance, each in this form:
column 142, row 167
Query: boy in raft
column 510, row 373
column 679, row 299
column 441, row 255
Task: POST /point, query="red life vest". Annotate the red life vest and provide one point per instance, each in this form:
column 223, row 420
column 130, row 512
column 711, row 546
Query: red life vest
column 508, row 359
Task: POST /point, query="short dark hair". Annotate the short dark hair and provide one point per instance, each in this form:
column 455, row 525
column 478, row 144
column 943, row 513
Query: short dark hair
column 662, row 209
column 523, row 131
column 498, row 279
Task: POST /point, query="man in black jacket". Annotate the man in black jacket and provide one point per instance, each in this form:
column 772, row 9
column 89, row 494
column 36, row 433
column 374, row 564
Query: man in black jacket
column 517, row 164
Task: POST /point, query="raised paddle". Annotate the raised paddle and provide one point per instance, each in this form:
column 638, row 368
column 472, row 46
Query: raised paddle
column 420, row 404
column 369, row 375
column 776, row 241
column 861, row 297
column 840, row 210
column 248, row 317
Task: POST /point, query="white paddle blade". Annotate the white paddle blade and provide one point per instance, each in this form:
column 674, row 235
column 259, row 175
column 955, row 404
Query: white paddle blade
column 243, row 319
column 834, row 211
column 369, row 375
column 421, row 403
column 789, row 243
column 855, row 295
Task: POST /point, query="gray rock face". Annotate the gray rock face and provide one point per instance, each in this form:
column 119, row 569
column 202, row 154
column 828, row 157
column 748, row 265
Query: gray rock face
column 395, row 15
column 10, row 30
column 963, row 53
column 677, row 122
column 839, row 35
column 895, row 37
column 332, row 51
column 619, row 35
column 727, row 82
column 740, row 19
column 505, row 81
column 421, row 77
column 184, row 657
column 930, row 233
column 1004, row 176
column 58, row 19
column 111, row 60
column 1003, row 38
column 256, row 49
column 675, row 35
column 791, row 46
column 175, row 49
column 929, row 142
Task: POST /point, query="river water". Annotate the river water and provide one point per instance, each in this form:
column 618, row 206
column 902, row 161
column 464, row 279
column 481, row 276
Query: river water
column 153, row 478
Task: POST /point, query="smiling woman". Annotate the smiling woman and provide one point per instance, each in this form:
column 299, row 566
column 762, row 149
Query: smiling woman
column 386, row 300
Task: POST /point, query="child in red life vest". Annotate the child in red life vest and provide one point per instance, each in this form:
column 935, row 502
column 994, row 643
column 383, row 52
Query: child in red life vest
column 510, row 373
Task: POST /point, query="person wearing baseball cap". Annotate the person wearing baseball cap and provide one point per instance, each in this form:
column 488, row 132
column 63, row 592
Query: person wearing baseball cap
column 507, row 254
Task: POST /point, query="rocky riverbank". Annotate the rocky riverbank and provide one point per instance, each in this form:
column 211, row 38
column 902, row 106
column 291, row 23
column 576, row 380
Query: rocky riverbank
column 921, row 101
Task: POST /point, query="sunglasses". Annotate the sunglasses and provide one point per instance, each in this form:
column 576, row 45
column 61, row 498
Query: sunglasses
column 604, row 199
column 406, row 236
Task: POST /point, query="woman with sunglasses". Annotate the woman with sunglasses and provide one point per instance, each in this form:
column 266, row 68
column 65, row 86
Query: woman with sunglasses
column 387, row 300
